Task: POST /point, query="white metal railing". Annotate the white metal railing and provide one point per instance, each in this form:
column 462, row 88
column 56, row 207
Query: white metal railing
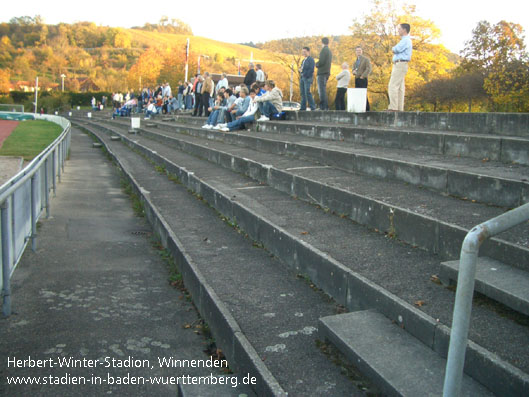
column 465, row 291
column 23, row 199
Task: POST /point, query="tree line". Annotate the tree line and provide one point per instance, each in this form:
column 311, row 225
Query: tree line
column 490, row 74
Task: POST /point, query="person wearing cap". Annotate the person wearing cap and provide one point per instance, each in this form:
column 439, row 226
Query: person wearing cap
column 401, row 58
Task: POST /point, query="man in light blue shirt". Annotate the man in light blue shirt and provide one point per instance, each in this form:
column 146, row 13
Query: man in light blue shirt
column 401, row 58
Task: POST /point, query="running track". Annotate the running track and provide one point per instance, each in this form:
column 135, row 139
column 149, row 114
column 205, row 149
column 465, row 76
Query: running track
column 6, row 128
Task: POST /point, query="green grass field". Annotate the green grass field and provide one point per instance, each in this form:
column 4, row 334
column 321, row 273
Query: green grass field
column 30, row 138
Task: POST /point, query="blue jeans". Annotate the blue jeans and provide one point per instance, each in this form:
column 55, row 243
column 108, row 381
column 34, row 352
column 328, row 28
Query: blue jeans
column 306, row 95
column 238, row 124
column 212, row 119
column 189, row 101
column 180, row 101
column 267, row 109
column 322, row 91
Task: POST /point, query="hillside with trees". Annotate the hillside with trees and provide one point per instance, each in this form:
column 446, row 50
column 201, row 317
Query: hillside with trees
column 491, row 73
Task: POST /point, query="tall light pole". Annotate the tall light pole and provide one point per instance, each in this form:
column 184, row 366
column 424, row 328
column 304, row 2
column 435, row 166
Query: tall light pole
column 62, row 77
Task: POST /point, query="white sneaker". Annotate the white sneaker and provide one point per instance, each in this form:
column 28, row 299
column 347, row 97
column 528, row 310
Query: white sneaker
column 263, row 118
column 207, row 126
column 217, row 127
column 225, row 129
column 223, row 125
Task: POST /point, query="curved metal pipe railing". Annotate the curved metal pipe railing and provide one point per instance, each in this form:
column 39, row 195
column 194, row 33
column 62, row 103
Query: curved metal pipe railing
column 23, row 199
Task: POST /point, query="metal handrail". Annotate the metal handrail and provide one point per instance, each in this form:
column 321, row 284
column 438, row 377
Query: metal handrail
column 465, row 291
column 37, row 174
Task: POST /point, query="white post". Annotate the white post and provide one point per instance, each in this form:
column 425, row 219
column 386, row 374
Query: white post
column 291, row 81
column 36, row 93
column 187, row 63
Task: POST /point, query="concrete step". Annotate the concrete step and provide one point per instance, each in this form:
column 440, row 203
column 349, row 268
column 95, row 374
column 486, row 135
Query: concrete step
column 490, row 182
column 307, row 227
column 396, row 361
column 262, row 315
column 507, row 124
column 417, row 216
column 495, row 280
column 447, row 143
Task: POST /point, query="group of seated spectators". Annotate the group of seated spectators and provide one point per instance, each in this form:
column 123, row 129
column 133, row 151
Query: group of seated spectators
column 233, row 109
column 227, row 108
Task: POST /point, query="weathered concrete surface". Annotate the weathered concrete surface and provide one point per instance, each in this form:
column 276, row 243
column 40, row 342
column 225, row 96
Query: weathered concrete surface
column 9, row 167
column 399, row 362
column 496, row 280
column 366, row 200
column 324, row 233
column 96, row 288
column 277, row 312
column 509, row 124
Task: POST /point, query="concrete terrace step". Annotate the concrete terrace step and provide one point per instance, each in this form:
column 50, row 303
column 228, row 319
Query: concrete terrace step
column 268, row 310
column 417, row 216
column 508, row 124
column 448, row 143
column 307, row 225
column 490, row 182
column 496, row 280
column 396, row 361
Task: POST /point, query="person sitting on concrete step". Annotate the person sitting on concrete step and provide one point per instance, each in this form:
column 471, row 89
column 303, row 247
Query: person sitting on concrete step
column 270, row 103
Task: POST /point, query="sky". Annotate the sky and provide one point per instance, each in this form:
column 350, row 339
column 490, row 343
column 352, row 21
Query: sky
column 269, row 19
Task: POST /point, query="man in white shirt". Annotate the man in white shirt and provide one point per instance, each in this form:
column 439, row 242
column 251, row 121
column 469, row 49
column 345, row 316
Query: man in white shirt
column 260, row 75
column 401, row 58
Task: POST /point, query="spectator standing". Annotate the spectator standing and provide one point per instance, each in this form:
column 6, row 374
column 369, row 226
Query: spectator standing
column 222, row 83
column 180, row 95
column 401, row 58
column 341, row 88
column 324, row 71
column 362, row 69
column 305, row 80
column 198, row 95
column 259, row 74
column 250, row 77
column 188, row 94
column 207, row 89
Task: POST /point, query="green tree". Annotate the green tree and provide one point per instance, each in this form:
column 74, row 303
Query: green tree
column 499, row 54
column 377, row 34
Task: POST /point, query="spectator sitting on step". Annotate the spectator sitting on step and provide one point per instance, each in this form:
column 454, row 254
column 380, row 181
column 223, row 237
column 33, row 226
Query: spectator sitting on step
column 241, row 104
column 230, row 105
column 159, row 104
column 172, row 104
column 150, row 110
column 214, row 112
column 247, row 117
column 270, row 103
column 258, row 87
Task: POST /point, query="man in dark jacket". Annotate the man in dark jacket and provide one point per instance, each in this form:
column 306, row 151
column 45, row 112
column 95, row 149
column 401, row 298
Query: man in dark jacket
column 362, row 69
column 251, row 76
column 305, row 80
column 324, row 71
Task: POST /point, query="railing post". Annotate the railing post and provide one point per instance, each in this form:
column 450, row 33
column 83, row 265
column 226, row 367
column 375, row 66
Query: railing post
column 54, row 172
column 59, row 162
column 465, row 291
column 34, row 212
column 462, row 311
column 46, row 188
column 6, row 267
